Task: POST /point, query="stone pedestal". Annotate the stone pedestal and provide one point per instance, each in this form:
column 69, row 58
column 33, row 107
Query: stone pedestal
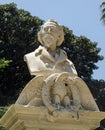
column 19, row 117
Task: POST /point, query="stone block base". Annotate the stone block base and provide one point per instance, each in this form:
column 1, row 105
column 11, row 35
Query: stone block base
column 37, row 118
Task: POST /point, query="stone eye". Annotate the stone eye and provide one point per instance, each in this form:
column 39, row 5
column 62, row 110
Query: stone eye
column 65, row 84
column 46, row 29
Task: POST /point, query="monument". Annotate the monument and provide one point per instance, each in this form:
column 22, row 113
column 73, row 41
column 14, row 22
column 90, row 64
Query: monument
column 56, row 98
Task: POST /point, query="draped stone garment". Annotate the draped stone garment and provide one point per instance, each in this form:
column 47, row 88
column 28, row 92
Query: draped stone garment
column 41, row 62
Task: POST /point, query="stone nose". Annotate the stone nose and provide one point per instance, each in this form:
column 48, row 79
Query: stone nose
column 49, row 29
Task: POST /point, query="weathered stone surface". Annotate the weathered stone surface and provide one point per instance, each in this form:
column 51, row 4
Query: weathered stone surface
column 19, row 117
column 56, row 84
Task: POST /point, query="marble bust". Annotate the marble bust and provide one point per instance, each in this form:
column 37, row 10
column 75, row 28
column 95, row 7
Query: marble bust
column 48, row 58
column 56, row 84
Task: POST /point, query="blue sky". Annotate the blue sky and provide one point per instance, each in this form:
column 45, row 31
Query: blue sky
column 80, row 16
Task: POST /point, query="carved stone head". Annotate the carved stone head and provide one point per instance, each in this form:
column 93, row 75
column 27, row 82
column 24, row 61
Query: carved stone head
column 51, row 33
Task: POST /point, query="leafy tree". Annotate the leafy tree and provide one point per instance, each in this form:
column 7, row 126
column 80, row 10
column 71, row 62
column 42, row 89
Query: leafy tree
column 18, row 30
column 102, row 6
column 97, row 88
column 83, row 52
column 3, row 62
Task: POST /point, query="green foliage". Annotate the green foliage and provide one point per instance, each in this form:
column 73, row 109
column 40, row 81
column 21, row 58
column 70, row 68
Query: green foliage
column 102, row 6
column 82, row 52
column 4, row 63
column 18, row 32
column 97, row 88
column 2, row 111
column 1, row 128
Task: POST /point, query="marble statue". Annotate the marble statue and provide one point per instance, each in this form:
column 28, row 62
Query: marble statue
column 56, row 84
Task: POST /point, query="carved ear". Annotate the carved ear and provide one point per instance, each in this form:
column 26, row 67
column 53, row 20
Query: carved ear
column 61, row 36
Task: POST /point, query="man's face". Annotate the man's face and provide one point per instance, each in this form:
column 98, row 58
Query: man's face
column 50, row 34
